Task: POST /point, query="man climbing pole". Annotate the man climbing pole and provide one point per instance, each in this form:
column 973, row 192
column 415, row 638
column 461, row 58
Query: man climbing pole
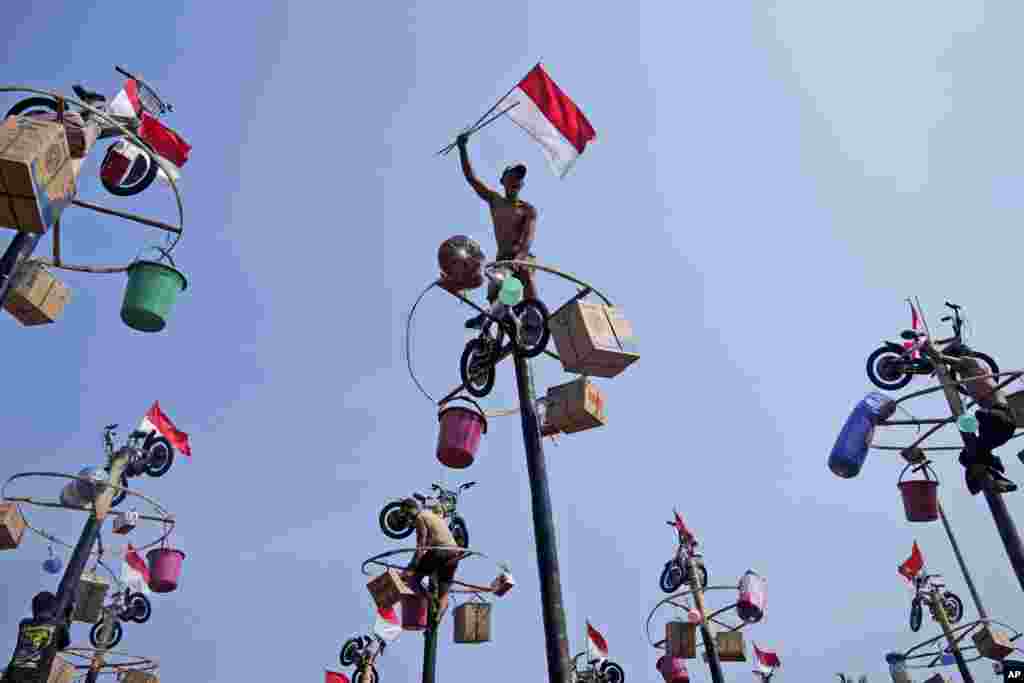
column 39, row 640
column 996, row 426
column 436, row 554
column 515, row 223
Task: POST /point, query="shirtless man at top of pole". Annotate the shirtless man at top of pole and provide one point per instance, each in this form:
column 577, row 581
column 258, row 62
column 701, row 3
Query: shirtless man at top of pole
column 515, row 223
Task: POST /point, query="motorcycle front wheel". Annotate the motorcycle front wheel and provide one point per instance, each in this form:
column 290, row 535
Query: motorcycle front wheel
column 140, row 607
column 40, row 104
column 533, row 333
column 672, row 577
column 954, row 607
column 916, row 614
column 612, row 673
column 349, row 652
column 114, row 638
column 460, row 531
column 477, row 369
column 394, row 522
column 884, row 372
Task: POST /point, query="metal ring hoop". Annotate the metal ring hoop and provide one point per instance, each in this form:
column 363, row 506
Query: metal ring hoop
column 670, row 600
column 590, row 289
column 134, row 139
column 135, row 662
column 166, row 518
column 936, row 656
column 939, row 423
column 466, row 553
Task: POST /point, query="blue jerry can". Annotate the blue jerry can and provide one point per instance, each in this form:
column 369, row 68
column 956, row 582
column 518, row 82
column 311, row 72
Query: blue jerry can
column 851, row 447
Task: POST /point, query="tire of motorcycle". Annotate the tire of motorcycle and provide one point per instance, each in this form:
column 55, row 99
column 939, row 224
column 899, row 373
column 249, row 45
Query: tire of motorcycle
column 672, row 577
column 32, row 103
column 537, row 309
column 477, row 389
column 460, row 531
column 954, row 607
column 370, row 677
column 134, row 188
column 159, row 455
column 116, row 634
column 349, row 651
column 141, row 608
column 872, row 368
column 916, row 615
column 393, row 522
column 612, row 673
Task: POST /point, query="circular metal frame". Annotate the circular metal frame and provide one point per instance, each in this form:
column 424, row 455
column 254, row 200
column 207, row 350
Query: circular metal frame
column 132, row 663
column 465, row 554
column 670, row 600
column 134, row 139
column 532, row 265
column 936, row 655
column 939, row 423
column 164, row 517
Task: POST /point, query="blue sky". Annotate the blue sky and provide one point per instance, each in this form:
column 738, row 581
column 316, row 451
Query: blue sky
column 759, row 200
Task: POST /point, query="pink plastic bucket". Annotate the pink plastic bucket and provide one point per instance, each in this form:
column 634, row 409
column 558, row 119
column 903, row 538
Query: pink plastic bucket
column 459, row 436
column 414, row 612
column 673, row 669
column 164, row 569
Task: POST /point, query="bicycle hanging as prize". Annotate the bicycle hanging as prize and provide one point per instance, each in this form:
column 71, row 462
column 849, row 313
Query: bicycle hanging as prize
column 920, row 496
column 460, row 432
column 153, row 287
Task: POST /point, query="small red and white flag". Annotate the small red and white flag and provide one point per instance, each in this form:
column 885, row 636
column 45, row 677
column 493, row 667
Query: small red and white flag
column 387, row 625
column 549, row 117
column 156, row 421
column 335, row 677
column 126, row 102
column 597, row 646
column 134, row 572
column 766, row 660
column 914, row 564
column 680, row 526
column 916, row 325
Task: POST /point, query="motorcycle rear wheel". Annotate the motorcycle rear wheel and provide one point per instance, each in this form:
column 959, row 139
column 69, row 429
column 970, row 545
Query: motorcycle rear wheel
column 880, row 372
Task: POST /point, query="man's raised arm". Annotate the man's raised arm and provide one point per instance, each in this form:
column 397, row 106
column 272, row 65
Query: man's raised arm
column 485, row 193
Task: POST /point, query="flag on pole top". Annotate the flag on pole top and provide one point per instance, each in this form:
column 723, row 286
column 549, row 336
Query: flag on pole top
column 156, row 421
column 597, row 646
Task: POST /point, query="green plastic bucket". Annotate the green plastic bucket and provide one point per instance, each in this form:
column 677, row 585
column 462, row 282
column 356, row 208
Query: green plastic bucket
column 152, row 290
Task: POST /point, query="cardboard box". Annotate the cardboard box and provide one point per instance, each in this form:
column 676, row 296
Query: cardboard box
column 12, row 526
column 36, row 297
column 992, row 643
column 92, row 591
column 61, row 671
column 730, row 646
column 573, row 407
column 388, row 588
column 134, row 676
column 681, row 639
column 37, row 181
column 593, row 339
column 473, row 623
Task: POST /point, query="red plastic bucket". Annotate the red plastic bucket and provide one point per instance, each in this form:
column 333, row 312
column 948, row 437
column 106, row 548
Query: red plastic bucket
column 414, row 612
column 459, row 435
column 164, row 569
column 920, row 496
column 673, row 669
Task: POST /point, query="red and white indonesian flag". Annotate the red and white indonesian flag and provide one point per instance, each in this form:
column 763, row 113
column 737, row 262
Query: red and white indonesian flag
column 335, row 677
column 156, row 421
column 170, row 147
column 766, row 660
column 917, row 326
column 597, row 646
column 549, row 117
column 134, row 572
column 913, row 564
column 387, row 625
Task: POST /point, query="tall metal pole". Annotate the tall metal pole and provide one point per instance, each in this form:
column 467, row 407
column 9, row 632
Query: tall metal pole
column 996, row 505
column 963, row 565
column 20, row 248
column 710, row 646
column 430, row 635
column 556, row 639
